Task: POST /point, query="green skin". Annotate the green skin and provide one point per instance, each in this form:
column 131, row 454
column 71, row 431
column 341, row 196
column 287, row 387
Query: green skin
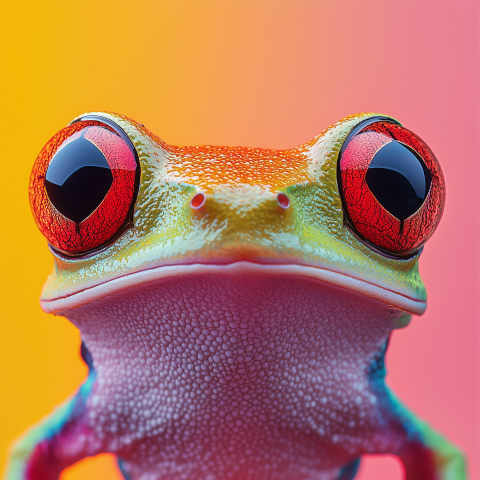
column 240, row 219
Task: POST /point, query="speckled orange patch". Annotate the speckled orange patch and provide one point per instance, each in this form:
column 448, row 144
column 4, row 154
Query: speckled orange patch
column 208, row 167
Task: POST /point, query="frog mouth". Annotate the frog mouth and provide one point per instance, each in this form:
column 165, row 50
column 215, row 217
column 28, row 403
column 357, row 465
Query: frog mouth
column 237, row 269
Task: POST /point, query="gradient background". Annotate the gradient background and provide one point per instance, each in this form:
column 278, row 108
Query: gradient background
column 252, row 73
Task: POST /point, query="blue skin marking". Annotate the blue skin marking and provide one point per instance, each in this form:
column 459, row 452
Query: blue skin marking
column 349, row 471
column 87, row 357
column 86, row 388
column 126, row 476
column 376, row 370
column 376, row 374
column 77, row 406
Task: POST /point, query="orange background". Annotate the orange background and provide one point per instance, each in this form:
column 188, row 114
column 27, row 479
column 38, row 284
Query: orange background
column 251, row 73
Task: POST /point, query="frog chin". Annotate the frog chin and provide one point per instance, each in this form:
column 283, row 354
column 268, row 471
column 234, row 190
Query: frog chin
column 243, row 269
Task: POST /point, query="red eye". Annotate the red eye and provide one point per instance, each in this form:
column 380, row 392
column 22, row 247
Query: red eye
column 392, row 186
column 83, row 185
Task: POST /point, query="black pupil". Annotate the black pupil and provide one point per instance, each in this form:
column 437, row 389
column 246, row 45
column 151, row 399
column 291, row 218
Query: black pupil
column 399, row 179
column 77, row 180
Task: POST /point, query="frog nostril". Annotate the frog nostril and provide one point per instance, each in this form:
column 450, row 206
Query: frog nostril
column 198, row 200
column 283, row 200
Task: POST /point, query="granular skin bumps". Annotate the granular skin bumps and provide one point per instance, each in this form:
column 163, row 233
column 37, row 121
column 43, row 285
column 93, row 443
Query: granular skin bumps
column 229, row 377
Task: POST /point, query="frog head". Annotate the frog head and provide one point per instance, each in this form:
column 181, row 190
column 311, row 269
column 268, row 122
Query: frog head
column 332, row 210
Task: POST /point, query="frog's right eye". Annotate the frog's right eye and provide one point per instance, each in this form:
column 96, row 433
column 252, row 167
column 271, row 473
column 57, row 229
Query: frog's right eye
column 391, row 185
column 83, row 186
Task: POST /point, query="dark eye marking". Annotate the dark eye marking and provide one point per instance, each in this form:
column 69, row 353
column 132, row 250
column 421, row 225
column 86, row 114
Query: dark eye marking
column 77, row 179
column 399, row 179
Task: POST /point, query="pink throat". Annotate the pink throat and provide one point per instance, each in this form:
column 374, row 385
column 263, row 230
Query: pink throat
column 249, row 377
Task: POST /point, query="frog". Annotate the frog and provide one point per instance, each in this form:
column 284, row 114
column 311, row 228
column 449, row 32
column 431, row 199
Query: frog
column 235, row 304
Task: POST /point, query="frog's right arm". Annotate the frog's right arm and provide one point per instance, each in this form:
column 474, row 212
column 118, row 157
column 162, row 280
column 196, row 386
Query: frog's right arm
column 424, row 452
column 60, row 440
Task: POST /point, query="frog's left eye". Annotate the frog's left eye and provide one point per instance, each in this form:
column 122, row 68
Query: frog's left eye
column 392, row 186
column 83, row 186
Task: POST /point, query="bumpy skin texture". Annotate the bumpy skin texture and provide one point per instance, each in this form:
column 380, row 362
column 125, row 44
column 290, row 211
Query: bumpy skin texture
column 240, row 340
column 259, row 377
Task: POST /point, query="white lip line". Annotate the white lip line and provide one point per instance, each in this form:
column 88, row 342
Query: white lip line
column 342, row 280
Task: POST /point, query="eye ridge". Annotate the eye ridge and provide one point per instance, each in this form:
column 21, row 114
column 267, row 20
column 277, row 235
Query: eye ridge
column 399, row 179
column 78, row 179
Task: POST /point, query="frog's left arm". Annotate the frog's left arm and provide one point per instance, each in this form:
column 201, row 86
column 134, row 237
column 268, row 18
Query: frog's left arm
column 60, row 440
column 424, row 452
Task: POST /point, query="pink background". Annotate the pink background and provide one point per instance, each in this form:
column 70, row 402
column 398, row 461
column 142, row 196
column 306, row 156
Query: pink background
column 252, row 73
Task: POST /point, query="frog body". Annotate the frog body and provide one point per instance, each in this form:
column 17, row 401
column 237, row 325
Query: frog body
column 235, row 326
